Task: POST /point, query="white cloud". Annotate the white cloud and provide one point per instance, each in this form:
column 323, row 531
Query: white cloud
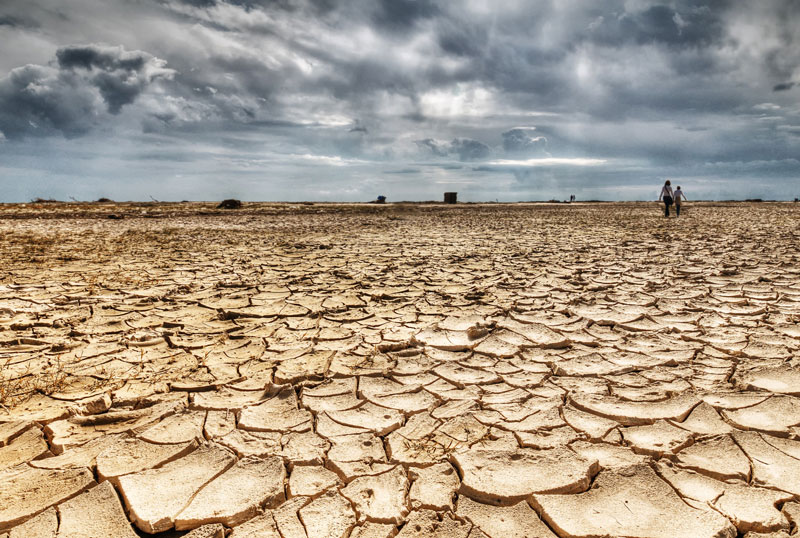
column 327, row 160
column 548, row 161
column 766, row 106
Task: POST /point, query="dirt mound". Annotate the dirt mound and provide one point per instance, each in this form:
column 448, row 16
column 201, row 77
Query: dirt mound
column 230, row 203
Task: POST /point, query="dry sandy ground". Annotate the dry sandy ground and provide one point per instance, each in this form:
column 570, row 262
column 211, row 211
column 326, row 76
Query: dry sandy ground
column 414, row 370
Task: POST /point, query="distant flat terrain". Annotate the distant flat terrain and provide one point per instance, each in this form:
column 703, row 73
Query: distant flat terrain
column 333, row 370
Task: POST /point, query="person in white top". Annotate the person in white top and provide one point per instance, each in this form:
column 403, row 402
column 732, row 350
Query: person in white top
column 666, row 196
column 678, row 195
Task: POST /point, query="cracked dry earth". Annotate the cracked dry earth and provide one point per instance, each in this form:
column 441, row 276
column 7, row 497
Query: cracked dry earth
column 316, row 371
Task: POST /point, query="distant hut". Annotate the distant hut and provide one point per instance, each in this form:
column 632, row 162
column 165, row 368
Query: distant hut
column 450, row 197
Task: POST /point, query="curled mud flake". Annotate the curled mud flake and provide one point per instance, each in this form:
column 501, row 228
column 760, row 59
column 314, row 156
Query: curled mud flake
column 107, row 516
column 775, row 415
column 463, row 375
column 236, row 495
column 658, row 439
column 594, row 426
column 515, row 521
column 718, row 457
column 11, row 430
column 369, row 416
column 636, row 413
column 27, row 446
column 277, row 414
column 506, row 477
column 749, row 508
column 704, row 420
column 632, row 501
column 132, row 455
column 783, row 380
column 771, row 467
column 45, row 524
column 155, row 497
column 26, row 492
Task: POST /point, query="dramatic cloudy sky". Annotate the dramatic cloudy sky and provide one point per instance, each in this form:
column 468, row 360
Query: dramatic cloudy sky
column 348, row 99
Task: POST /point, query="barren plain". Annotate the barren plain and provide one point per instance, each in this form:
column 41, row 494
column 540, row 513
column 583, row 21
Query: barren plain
column 410, row 370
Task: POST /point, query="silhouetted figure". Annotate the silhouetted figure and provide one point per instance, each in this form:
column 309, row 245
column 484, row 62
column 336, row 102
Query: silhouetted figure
column 666, row 196
column 678, row 195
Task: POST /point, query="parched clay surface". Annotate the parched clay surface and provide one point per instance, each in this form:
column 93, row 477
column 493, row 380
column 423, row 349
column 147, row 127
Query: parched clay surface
column 410, row 370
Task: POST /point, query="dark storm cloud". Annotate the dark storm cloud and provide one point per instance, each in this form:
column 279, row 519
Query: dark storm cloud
column 39, row 100
column 17, row 19
column 43, row 100
column 10, row 21
column 370, row 86
column 520, row 141
column 119, row 75
column 403, row 171
column 102, row 58
column 466, row 148
column 318, row 6
column 783, row 86
column 200, row 3
column 462, row 38
column 469, row 150
column 436, row 148
column 401, row 14
column 676, row 24
column 502, row 50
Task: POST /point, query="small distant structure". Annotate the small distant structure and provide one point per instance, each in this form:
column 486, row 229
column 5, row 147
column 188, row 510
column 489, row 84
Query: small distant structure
column 450, row 197
column 230, row 204
column 380, row 199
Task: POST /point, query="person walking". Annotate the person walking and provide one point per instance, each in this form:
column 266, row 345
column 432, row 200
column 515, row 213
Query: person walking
column 666, row 196
column 678, row 195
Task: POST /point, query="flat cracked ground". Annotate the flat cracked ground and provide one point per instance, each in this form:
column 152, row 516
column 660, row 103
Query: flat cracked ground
column 471, row 371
